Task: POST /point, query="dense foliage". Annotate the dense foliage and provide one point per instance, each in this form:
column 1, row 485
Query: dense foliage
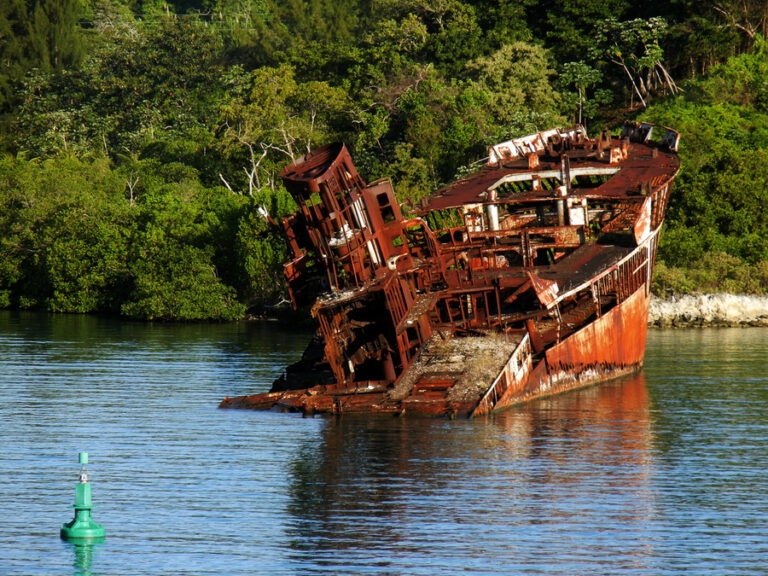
column 717, row 224
column 142, row 137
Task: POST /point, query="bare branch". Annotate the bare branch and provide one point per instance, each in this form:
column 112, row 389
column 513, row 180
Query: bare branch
column 620, row 62
column 745, row 27
column 670, row 82
column 132, row 182
column 226, row 183
column 250, row 175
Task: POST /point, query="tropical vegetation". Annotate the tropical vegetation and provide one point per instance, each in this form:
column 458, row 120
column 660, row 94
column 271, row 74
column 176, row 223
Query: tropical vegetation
column 140, row 140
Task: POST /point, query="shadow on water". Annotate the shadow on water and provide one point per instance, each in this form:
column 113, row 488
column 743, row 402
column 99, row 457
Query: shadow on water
column 424, row 488
column 41, row 329
column 243, row 357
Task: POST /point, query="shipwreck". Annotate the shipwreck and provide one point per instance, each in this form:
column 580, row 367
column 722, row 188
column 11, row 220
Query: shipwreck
column 529, row 277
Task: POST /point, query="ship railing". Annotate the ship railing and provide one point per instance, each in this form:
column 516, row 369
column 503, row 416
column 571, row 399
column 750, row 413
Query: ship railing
column 621, row 279
column 513, row 375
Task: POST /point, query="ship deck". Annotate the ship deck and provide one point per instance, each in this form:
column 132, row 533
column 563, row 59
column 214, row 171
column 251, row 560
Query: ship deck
column 624, row 184
column 573, row 270
column 583, row 264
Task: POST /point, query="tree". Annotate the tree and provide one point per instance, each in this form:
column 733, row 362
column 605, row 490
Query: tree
column 64, row 235
column 584, row 78
column 13, row 54
column 635, row 46
column 747, row 16
column 517, row 80
column 172, row 256
column 154, row 90
column 273, row 120
column 718, row 199
column 260, row 252
column 54, row 37
column 503, row 22
column 173, row 281
column 569, row 25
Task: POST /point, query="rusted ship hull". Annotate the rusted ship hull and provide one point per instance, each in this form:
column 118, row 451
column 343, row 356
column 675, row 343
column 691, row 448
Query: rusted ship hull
column 611, row 346
column 599, row 351
column 529, row 278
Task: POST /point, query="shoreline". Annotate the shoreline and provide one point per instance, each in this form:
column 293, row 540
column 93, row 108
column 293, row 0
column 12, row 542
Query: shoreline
column 708, row 310
column 718, row 310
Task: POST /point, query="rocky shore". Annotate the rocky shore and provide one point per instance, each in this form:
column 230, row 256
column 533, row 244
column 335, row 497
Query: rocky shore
column 704, row 310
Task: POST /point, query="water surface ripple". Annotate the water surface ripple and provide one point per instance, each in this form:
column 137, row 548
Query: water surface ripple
column 659, row 473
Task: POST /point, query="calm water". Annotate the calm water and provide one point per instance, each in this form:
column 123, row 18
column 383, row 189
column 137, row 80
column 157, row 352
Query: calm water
column 660, row 473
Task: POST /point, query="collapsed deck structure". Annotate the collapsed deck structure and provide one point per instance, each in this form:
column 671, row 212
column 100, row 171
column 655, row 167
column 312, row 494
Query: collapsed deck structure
column 528, row 277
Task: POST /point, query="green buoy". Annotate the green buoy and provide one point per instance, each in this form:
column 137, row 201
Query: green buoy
column 82, row 527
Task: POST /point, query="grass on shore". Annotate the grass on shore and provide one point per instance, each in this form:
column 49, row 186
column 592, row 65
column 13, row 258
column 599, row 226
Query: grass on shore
column 714, row 272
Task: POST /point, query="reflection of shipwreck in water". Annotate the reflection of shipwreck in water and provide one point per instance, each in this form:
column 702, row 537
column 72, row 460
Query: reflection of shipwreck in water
column 529, row 277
